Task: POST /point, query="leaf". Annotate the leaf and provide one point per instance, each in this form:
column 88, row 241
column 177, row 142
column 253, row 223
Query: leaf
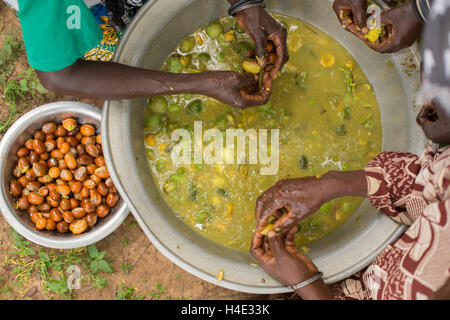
column 93, row 252
column 44, row 256
column 101, row 255
column 104, row 266
column 94, row 266
column 23, row 84
column 29, row 251
column 16, row 270
column 59, row 286
column 40, row 89
column 99, row 282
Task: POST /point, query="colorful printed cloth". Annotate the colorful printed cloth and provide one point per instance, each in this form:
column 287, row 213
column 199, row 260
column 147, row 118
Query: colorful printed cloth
column 413, row 191
column 105, row 50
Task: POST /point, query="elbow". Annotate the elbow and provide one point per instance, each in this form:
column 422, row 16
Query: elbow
column 57, row 81
column 51, row 81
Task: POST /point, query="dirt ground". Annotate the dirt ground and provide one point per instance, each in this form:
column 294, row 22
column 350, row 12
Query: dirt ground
column 147, row 271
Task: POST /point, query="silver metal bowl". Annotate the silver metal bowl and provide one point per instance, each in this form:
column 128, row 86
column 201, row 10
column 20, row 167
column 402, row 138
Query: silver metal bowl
column 158, row 28
column 14, row 138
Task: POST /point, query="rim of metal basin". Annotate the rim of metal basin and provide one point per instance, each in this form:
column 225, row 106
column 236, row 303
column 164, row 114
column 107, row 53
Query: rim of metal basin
column 21, row 130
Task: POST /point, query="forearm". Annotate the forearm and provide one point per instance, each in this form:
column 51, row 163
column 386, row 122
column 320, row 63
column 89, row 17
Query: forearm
column 345, row 183
column 112, row 81
column 317, row 290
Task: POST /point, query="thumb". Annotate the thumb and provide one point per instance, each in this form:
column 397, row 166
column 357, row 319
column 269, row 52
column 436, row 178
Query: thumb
column 387, row 17
column 247, row 80
column 276, row 245
column 360, row 17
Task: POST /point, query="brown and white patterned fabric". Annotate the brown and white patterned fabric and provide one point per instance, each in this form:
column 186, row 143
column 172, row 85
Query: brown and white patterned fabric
column 414, row 191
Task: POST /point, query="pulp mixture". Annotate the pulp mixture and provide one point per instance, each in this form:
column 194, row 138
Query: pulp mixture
column 139, row 270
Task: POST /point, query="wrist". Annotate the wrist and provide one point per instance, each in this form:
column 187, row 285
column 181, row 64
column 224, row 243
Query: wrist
column 238, row 8
column 344, row 183
column 250, row 11
column 317, row 290
column 184, row 83
column 206, row 82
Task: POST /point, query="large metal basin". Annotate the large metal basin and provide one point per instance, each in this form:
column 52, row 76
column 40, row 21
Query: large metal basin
column 157, row 29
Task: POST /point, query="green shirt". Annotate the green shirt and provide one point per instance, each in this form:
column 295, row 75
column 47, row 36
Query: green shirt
column 57, row 32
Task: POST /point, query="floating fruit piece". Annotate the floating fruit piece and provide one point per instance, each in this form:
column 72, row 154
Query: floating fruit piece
column 150, row 140
column 373, row 35
column 195, row 107
column 327, row 60
column 188, row 44
column 185, row 60
column 230, row 209
column 199, row 39
column 214, row 30
column 158, row 104
column 229, row 36
column 252, row 67
column 349, row 64
column 267, row 228
column 294, row 42
column 220, row 275
column 162, row 147
column 243, row 47
column 174, row 64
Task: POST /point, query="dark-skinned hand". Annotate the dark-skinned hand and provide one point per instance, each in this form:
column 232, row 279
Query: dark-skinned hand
column 351, row 11
column 237, row 90
column 402, row 25
column 262, row 28
column 404, row 28
column 281, row 259
column 290, row 201
column 435, row 122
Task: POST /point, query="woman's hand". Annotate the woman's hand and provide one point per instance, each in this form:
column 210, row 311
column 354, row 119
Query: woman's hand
column 261, row 27
column 351, row 11
column 403, row 26
column 434, row 120
column 281, row 259
column 237, row 90
column 292, row 200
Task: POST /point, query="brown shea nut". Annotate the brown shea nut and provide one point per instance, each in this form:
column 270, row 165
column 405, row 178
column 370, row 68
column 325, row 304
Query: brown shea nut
column 78, row 226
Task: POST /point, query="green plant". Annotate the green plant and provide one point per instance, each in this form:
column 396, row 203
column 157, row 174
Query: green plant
column 22, row 89
column 9, row 52
column 59, row 286
column 51, row 266
column 126, row 268
column 18, row 89
column 160, row 290
column 96, row 260
column 128, row 293
column 99, row 282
